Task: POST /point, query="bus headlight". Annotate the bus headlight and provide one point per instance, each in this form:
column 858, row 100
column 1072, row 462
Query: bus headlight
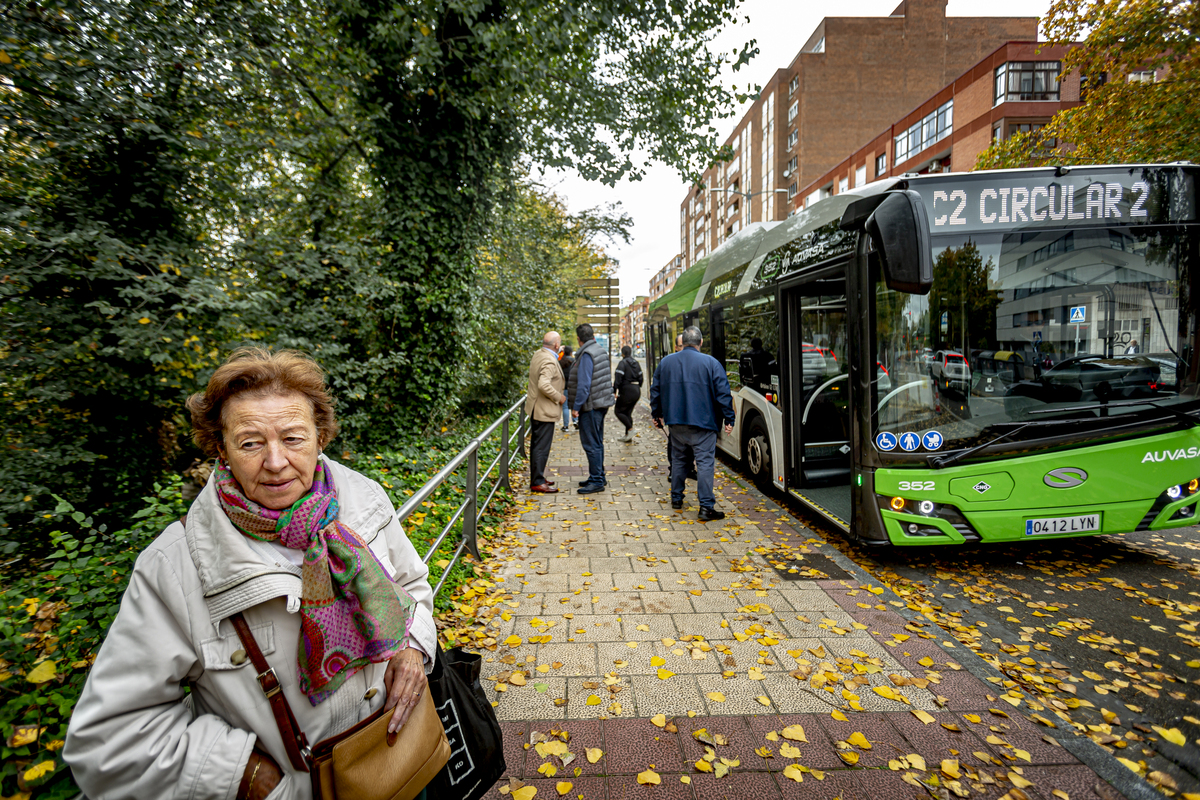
column 925, row 507
column 897, row 504
column 1175, row 492
column 1193, row 485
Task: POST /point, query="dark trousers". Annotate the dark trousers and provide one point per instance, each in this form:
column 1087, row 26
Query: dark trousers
column 541, row 434
column 591, row 437
column 630, row 394
column 689, row 442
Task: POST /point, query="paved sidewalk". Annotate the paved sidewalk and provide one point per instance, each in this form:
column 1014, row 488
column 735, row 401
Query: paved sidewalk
column 659, row 640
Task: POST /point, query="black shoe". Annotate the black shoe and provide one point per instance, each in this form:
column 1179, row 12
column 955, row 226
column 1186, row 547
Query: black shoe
column 592, row 488
column 709, row 514
column 692, row 475
column 589, row 482
column 676, row 504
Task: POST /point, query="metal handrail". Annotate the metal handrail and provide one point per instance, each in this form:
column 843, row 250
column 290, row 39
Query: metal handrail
column 470, row 512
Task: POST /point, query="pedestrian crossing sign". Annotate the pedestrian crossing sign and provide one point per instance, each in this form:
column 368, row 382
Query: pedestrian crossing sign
column 1078, row 314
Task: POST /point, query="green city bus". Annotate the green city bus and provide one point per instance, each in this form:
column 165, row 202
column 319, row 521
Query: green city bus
column 965, row 357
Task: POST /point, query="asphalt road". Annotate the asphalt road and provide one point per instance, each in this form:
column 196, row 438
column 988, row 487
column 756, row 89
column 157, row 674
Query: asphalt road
column 1096, row 633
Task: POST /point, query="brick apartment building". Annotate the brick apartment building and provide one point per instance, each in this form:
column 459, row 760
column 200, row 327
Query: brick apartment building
column 665, row 278
column 633, row 322
column 1014, row 88
column 853, row 77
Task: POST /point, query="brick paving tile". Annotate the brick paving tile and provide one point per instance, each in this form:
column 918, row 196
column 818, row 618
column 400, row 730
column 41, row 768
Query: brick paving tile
column 621, row 567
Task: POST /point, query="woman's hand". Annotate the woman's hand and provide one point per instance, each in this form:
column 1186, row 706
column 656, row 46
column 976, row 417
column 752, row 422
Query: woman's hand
column 261, row 777
column 405, row 683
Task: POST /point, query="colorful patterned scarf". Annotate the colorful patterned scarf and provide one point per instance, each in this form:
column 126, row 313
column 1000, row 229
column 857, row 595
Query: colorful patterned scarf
column 352, row 613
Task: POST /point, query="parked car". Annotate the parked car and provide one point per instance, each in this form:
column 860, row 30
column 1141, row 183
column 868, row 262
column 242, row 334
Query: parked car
column 1091, row 378
column 949, row 370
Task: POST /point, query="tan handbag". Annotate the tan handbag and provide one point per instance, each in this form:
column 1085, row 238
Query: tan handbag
column 363, row 762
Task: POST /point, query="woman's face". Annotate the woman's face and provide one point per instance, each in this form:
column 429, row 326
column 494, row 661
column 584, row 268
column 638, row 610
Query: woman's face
column 270, row 444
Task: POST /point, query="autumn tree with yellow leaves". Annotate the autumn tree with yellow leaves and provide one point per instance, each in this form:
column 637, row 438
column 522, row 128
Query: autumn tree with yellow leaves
column 1140, row 65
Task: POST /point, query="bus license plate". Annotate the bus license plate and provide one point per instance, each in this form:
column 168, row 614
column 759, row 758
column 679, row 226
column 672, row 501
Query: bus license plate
column 1080, row 524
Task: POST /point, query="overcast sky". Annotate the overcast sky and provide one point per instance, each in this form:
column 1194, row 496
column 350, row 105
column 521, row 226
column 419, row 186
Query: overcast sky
column 781, row 27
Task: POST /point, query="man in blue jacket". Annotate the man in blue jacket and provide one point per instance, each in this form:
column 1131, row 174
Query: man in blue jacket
column 690, row 393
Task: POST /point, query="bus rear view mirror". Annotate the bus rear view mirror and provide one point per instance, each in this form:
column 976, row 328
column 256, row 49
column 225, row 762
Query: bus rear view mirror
column 899, row 229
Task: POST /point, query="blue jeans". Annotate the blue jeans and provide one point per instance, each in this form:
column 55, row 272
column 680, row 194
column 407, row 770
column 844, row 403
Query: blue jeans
column 566, row 416
column 591, row 436
column 688, row 442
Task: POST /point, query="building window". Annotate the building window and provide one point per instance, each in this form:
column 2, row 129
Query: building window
column 1145, row 76
column 819, row 47
column 880, row 165
column 812, row 198
column 795, row 84
column 860, row 176
column 791, row 166
column 792, row 189
column 936, row 125
column 996, row 136
column 843, row 185
column 1027, row 80
column 793, row 137
column 793, row 110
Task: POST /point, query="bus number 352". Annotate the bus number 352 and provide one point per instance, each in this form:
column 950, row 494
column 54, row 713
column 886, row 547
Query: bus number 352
column 916, row 486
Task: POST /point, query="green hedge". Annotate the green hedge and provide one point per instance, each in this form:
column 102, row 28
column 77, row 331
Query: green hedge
column 55, row 616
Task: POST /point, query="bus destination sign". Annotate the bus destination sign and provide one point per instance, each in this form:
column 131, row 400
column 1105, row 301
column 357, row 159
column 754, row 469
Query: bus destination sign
column 1127, row 197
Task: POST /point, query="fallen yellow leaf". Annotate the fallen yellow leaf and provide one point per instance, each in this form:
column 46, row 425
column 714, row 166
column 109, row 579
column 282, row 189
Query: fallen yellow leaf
column 563, row 787
column 849, row 756
column 1172, row 735
column 524, row 793
column 657, row 661
column 517, row 679
column 788, row 751
column 659, row 719
column 664, row 673
column 593, row 700
column 924, row 716
column 755, row 674
column 594, row 754
column 40, row 674
column 1019, row 781
column 858, row 740
column 649, row 778
column 839, row 716
column 762, row 698
column 685, row 778
column 513, row 641
column 916, row 761
column 716, row 697
column 548, row 769
column 792, row 771
column 950, row 768
column 703, row 766
column 764, row 751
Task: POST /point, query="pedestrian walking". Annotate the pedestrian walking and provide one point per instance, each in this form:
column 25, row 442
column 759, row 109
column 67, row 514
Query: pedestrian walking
column 589, row 391
column 691, row 471
column 290, row 567
column 543, row 400
column 690, row 393
column 566, row 361
column 628, row 384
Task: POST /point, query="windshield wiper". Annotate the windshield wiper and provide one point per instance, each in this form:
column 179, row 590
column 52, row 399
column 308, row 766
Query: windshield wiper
column 1181, row 415
column 941, row 462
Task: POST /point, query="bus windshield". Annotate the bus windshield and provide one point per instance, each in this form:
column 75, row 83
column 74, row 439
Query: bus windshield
column 1039, row 326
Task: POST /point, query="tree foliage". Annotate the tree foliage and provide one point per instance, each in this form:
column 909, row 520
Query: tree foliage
column 1120, row 120
column 340, row 176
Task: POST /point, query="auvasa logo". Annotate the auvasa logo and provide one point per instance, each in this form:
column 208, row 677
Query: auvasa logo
column 1171, row 455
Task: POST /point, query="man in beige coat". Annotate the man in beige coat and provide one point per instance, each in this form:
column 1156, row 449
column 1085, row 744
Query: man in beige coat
column 543, row 406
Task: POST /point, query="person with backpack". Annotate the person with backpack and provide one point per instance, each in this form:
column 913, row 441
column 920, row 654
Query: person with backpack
column 628, row 384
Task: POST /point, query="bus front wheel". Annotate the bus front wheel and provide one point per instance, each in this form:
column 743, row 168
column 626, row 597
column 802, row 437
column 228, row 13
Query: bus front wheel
column 758, row 452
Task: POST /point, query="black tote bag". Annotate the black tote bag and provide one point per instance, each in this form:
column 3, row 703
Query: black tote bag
column 476, row 748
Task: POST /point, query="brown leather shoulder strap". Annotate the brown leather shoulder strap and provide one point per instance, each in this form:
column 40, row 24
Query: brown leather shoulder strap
column 294, row 740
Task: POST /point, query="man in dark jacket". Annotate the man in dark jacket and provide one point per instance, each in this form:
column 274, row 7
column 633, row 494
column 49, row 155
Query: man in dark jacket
column 590, row 395
column 690, row 393
column 629, row 390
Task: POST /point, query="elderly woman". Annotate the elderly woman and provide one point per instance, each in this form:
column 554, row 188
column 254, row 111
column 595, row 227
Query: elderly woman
column 312, row 555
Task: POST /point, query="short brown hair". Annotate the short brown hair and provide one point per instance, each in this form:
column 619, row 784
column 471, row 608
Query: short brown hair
column 261, row 372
